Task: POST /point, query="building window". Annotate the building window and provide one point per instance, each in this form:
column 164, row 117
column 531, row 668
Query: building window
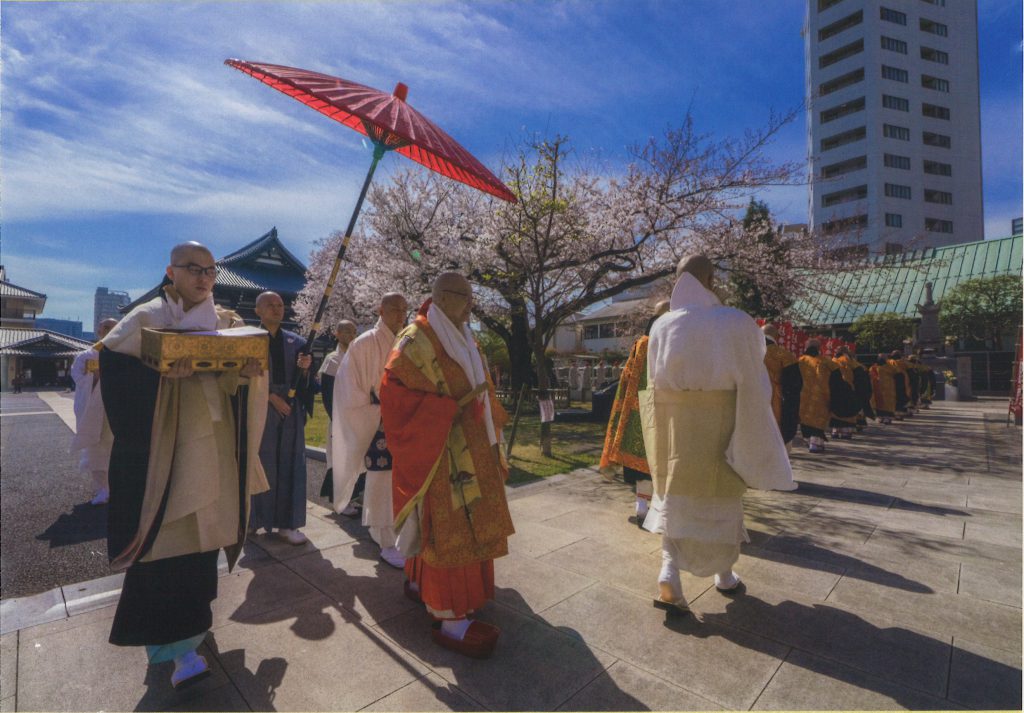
column 937, row 168
column 934, row 225
column 840, row 54
column 893, row 16
column 897, row 103
column 847, row 137
column 826, row 4
column 891, row 131
column 895, row 74
column 842, row 81
column 940, row 140
column 894, row 161
column 895, row 190
column 942, row 197
column 841, row 224
column 893, row 248
column 934, row 111
column 607, row 330
column 847, row 166
column 894, row 45
column 842, row 25
column 836, row 112
column 893, row 220
column 940, row 3
column 935, row 28
column 934, row 83
column 933, row 55
column 857, row 193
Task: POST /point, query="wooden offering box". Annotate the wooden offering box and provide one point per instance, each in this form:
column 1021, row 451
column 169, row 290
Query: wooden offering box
column 222, row 350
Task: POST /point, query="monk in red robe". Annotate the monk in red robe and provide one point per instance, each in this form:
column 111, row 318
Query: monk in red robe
column 448, row 471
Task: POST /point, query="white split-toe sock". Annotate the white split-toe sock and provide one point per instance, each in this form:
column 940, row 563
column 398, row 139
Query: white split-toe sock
column 455, row 628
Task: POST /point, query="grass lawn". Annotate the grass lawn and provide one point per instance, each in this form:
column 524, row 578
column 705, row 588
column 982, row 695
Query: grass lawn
column 574, row 445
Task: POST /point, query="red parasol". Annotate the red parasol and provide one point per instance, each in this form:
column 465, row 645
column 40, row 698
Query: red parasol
column 390, row 123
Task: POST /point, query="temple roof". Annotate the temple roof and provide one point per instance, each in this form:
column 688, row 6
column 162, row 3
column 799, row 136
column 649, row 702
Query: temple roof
column 39, row 343
column 897, row 282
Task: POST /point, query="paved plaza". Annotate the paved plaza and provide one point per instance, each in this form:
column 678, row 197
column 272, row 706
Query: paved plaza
column 890, row 579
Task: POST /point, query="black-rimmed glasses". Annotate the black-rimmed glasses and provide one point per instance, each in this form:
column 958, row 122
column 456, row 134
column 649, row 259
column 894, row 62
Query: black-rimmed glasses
column 199, row 270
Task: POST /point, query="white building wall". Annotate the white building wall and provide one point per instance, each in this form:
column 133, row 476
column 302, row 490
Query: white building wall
column 963, row 128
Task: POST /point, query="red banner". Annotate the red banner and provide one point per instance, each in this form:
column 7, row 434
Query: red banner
column 795, row 340
column 1017, row 400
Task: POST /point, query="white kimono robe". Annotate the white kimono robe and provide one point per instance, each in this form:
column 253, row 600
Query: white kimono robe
column 708, row 427
column 330, row 368
column 355, row 422
column 93, row 438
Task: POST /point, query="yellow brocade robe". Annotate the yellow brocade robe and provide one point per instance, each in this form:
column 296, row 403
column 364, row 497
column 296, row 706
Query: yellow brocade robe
column 624, row 439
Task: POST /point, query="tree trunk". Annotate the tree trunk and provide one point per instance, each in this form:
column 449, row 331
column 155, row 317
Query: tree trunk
column 520, row 368
column 543, row 386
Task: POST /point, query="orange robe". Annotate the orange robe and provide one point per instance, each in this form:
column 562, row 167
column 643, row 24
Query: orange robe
column 624, row 438
column 815, row 398
column 463, row 516
column 776, row 359
column 883, row 385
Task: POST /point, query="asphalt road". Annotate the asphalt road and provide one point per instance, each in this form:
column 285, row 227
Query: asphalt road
column 49, row 534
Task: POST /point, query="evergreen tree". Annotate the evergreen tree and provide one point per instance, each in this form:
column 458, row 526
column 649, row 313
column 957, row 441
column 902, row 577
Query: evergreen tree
column 750, row 284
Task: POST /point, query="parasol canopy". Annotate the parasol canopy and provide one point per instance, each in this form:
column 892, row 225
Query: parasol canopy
column 385, row 118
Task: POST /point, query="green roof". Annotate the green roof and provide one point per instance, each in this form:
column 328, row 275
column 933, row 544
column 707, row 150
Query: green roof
column 897, row 283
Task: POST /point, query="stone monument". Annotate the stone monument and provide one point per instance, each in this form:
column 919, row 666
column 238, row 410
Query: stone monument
column 929, row 336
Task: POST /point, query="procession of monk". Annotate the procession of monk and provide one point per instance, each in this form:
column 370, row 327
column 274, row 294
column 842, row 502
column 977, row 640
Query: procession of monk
column 194, row 461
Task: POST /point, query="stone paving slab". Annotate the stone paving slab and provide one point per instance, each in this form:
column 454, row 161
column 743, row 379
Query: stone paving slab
column 875, row 585
column 983, row 677
column 867, row 641
column 727, row 666
column 313, row 656
column 809, row 682
column 534, row 667
column 622, row 686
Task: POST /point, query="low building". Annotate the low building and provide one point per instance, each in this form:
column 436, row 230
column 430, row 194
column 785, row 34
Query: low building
column 40, row 357
column 19, row 306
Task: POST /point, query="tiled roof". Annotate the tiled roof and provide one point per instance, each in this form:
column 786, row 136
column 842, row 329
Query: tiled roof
column 898, row 284
column 39, row 342
column 9, row 289
column 261, row 244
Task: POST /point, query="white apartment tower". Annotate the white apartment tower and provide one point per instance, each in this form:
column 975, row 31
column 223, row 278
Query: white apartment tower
column 894, row 128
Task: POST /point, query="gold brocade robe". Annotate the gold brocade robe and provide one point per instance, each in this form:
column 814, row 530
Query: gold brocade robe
column 624, row 438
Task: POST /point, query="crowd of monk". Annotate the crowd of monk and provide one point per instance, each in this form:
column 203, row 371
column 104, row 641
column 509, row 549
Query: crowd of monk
column 197, row 461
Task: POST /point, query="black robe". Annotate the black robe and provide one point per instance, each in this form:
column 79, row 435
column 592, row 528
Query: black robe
column 862, row 387
column 165, row 600
column 792, row 386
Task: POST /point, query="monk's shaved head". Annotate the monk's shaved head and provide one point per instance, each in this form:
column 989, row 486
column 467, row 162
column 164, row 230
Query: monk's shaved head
column 448, row 282
column 264, row 296
column 105, row 327
column 661, row 308
column 181, row 252
column 392, row 299
column 699, row 266
column 453, row 295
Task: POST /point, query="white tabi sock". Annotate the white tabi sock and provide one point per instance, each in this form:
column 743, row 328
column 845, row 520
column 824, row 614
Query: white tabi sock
column 455, row 628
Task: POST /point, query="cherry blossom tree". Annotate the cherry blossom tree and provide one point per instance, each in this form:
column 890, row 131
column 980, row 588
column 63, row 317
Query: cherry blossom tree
column 579, row 234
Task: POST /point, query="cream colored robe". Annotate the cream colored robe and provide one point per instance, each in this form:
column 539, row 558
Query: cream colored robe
column 708, row 427
column 93, row 438
column 356, row 419
column 192, row 454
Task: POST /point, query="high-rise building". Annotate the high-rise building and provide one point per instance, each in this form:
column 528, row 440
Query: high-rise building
column 893, row 126
column 105, row 305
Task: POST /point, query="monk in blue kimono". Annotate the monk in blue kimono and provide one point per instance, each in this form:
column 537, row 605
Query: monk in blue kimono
column 283, row 450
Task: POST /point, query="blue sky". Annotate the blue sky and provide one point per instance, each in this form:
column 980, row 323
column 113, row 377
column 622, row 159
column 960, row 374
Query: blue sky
column 123, row 132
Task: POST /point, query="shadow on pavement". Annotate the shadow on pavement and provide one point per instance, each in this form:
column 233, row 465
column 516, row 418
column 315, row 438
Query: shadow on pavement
column 867, row 497
column 903, row 664
column 84, row 523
